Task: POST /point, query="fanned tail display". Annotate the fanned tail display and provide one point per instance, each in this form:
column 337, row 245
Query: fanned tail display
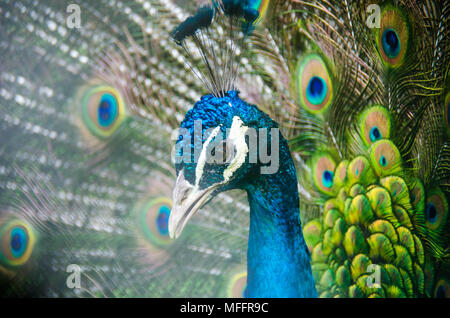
column 97, row 103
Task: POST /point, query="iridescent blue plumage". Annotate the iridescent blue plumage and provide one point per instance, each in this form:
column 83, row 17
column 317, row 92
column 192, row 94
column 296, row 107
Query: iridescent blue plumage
column 391, row 43
column 375, row 134
column 201, row 19
column 162, row 220
column 241, row 8
column 431, row 213
column 18, row 242
column 278, row 259
column 317, row 90
column 87, row 114
column 223, row 144
column 107, row 110
column 328, row 178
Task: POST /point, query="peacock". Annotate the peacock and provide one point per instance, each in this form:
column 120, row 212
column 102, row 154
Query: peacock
column 232, row 148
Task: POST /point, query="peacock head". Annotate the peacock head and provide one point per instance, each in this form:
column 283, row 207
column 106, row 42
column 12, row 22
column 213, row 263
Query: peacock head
column 219, row 145
column 222, row 144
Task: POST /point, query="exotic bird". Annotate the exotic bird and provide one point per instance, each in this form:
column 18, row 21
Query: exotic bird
column 233, row 148
column 278, row 265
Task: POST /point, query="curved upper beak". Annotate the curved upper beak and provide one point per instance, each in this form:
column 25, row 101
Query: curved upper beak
column 187, row 199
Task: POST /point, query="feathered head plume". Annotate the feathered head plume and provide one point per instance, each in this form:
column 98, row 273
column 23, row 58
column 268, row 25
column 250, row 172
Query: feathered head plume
column 211, row 56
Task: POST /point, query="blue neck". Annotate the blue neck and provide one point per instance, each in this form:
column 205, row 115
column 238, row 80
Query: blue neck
column 278, row 258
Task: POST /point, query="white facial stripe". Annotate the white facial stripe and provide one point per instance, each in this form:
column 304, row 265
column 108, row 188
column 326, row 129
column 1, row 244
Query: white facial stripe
column 237, row 135
column 202, row 158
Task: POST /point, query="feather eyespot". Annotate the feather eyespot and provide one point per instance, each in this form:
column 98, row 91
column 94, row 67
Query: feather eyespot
column 324, row 167
column 436, row 209
column 359, row 171
column 162, row 220
column 431, row 213
column 102, row 110
column 375, row 134
column 107, row 110
column 327, row 178
column 442, row 289
column 374, row 124
column 391, row 43
column 393, row 36
column 314, row 84
column 237, row 287
column 317, row 90
column 17, row 242
column 385, row 157
column 154, row 220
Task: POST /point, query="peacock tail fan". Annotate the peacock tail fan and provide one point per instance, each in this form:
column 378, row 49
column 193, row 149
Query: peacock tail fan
column 88, row 115
column 44, row 243
column 41, row 239
column 360, row 102
column 95, row 160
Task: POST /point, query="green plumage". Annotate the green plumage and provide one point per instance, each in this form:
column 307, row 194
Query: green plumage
column 365, row 110
column 386, row 164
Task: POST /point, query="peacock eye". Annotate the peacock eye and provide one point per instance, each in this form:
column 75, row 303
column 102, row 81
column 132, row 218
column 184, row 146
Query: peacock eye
column 162, row 220
column 154, row 221
column 375, row 134
column 440, row 292
column 323, row 166
column 436, row 209
column 391, row 43
column 375, row 124
column 237, row 287
column 314, row 84
column 102, row 110
column 317, row 90
column 431, row 213
column 17, row 241
column 393, row 36
column 442, row 289
column 383, row 161
column 107, row 110
column 359, row 170
column 385, row 157
column 327, row 178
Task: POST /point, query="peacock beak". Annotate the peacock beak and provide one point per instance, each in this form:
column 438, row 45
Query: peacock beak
column 187, row 199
